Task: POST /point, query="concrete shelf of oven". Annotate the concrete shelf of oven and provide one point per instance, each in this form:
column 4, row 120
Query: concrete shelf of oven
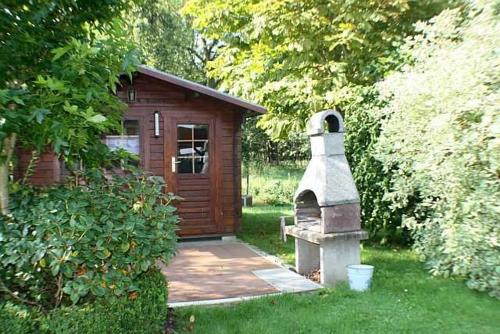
column 311, row 231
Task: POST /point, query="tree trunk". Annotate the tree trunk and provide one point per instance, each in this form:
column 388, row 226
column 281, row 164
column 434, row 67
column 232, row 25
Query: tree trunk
column 7, row 148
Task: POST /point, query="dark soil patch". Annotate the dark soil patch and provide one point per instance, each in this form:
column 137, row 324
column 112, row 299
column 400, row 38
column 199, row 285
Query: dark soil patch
column 314, row 276
column 170, row 321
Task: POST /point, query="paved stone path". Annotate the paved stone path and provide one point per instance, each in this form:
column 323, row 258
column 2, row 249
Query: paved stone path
column 213, row 272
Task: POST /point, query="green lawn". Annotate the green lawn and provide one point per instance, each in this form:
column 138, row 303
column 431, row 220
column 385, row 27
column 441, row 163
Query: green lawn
column 261, row 228
column 404, row 297
column 270, row 183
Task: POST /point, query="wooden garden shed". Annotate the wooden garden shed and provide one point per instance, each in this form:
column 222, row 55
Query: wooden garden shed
column 190, row 135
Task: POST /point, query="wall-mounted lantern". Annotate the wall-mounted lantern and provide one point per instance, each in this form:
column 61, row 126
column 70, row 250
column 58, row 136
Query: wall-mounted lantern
column 157, row 123
column 131, row 94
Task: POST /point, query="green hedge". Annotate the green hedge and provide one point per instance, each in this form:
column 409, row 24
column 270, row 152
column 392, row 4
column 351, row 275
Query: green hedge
column 144, row 314
column 15, row 319
column 65, row 244
column 439, row 139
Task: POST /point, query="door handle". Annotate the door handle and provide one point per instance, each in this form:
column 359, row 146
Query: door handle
column 174, row 164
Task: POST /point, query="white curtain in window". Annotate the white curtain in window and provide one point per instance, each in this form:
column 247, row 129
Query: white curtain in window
column 128, row 143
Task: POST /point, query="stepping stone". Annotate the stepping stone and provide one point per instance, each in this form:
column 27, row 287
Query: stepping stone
column 286, row 281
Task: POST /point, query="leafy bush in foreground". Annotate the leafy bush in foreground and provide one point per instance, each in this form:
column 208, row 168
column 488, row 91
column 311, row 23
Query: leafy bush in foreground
column 84, row 241
column 143, row 314
column 15, row 319
column 441, row 139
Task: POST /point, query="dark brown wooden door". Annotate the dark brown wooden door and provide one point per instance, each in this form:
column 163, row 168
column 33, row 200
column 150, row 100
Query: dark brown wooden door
column 190, row 152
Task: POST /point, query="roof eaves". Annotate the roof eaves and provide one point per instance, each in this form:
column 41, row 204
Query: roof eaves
column 167, row 77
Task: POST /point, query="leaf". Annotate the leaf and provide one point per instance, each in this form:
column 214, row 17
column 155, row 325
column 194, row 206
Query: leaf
column 18, row 100
column 97, row 118
column 99, row 291
column 124, row 247
column 39, row 114
column 74, row 296
column 72, row 109
column 106, row 253
column 59, row 52
column 38, row 255
column 55, row 269
column 55, row 84
column 144, row 265
column 59, row 142
column 133, row 295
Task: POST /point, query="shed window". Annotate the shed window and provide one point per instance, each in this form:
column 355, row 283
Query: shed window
column 192, row 148
column 128, row 139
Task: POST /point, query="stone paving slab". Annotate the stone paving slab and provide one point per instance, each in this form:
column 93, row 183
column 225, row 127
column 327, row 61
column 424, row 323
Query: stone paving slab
column 209, row 272
column 286, row 280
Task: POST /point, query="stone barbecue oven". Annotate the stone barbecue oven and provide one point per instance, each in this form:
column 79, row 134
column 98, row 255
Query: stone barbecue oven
column 327, row 227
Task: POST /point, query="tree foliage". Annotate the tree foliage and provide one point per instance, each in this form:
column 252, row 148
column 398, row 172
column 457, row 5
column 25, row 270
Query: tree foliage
column 29, row 30
column 258, row 147
column 167, row 41
column 59, row 64
column 299, row 57
column 440, row 137
column 71, row 106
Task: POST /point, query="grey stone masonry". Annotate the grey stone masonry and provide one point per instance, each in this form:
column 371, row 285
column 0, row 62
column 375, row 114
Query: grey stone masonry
column 328, row 174
column 327, row 227
column 307, row 256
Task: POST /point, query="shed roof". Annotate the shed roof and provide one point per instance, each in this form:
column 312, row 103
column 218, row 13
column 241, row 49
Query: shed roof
column 170, row 78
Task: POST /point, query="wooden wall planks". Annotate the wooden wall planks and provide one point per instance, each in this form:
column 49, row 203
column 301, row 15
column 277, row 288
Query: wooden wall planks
column 155, row 95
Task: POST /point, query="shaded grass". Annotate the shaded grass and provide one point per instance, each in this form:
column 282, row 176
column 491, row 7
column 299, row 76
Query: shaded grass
column 404, row 297
column 261, row 228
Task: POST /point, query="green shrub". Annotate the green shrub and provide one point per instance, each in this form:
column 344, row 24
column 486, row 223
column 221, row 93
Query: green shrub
column 15, row 319
column 273, row 184
column 146, row 313
column 276, row 192
column 66, row 243
column 378, row 215
column 441, row 139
